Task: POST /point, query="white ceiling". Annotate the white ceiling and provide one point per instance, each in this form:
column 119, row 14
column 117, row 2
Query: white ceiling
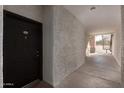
column 104, row 17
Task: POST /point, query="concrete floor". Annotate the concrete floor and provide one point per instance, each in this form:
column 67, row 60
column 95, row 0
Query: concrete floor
column 42, row 84
column 99, row 71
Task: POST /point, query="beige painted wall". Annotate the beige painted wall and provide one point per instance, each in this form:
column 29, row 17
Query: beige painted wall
column 122, row 46
column 48, row 44
column 117, row 46
column 69, row 44
column 30, row 11
column 1, row 46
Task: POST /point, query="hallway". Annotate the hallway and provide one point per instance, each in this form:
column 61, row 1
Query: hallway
column 100, row 71
column 60, row 59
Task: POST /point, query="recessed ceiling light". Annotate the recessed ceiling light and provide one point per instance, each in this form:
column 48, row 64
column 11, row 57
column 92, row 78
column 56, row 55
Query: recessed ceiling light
column 92, row 8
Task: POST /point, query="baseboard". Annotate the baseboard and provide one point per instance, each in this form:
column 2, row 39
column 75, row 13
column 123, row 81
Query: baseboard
column 117, row 61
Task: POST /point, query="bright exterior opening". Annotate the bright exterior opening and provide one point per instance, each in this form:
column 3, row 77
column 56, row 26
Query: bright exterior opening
column 100, row 44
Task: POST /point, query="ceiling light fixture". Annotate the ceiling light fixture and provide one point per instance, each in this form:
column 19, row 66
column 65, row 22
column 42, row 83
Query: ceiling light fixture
column 92, row 8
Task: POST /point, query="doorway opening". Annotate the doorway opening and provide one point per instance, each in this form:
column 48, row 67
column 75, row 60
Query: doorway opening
column 100, row 44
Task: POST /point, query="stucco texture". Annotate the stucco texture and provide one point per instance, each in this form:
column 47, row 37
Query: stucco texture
column 69, row 44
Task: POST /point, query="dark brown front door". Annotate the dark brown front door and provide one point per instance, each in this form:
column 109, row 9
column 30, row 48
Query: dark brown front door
column 22, row 50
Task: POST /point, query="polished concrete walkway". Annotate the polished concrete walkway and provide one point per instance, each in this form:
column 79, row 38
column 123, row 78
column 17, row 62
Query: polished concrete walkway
column 99, row 71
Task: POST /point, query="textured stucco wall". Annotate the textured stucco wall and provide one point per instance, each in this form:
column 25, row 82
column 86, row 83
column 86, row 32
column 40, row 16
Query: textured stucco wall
column 1, row 46
column 69, row 44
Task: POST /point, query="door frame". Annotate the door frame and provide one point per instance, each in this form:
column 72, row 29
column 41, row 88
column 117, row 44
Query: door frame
column 20, row 17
